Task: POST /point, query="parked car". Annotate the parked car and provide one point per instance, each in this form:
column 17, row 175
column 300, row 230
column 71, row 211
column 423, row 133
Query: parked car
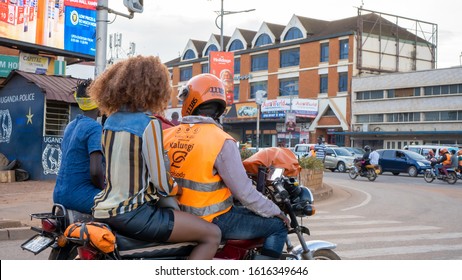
column 357, row 152
column 402, row 161
column 338, row 159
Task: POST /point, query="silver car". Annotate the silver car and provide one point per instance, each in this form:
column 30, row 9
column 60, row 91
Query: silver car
column 338, row 159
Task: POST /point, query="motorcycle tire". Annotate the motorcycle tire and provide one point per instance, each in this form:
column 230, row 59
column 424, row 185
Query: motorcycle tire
column 428, row 177
column 371, row 175
column 452, row 178
column 352, row 173
column 64, row 253
column 325, row 255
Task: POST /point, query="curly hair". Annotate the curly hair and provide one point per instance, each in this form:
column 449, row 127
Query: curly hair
column 140, row 83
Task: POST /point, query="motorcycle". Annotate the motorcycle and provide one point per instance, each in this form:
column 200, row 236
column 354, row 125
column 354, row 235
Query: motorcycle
column 371, row 171
column 430, row 175
column 294, row 200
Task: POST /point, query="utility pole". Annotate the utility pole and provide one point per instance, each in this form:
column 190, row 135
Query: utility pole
column 101, row 36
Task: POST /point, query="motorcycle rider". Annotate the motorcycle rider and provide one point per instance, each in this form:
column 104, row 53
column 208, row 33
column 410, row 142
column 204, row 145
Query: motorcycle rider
column 81, row 173
column 444, row 162
column 129, row 92
column 361, row 164
column 207, row 165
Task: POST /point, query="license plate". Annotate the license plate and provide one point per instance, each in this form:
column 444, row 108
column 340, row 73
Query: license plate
column 37, row 243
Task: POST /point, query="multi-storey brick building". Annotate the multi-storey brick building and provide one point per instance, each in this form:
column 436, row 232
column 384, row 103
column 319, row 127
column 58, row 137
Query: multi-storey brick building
column 307, row 58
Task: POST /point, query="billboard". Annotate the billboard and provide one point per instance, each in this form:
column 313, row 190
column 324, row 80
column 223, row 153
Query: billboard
column 68, row 25
column 222, row 65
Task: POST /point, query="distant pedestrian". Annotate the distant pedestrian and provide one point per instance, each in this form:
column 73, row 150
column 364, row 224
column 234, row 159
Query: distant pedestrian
column 320, row 149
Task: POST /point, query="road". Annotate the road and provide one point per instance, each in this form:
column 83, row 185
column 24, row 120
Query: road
column 393, row 218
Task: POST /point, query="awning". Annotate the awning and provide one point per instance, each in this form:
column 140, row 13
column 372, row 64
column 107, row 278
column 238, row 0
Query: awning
column 56, row 88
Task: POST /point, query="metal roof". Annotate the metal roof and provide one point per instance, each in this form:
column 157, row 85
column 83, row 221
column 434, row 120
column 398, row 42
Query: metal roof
column 56, row 88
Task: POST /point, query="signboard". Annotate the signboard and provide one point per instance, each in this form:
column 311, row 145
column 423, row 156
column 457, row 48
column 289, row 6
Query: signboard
column 33, row 63
column 246, row 110
column 222, row 65
column 300, row 106
column 8, row 63
column 68, row 25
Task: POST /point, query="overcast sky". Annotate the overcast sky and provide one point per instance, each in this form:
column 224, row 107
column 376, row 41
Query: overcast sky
column 165, row 26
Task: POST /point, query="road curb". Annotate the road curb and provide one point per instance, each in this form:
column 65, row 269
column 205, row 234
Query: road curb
column 18, row 233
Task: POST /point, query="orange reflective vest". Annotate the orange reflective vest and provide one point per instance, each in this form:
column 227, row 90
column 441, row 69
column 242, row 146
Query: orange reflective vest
column 447, row 161
column 192, row 151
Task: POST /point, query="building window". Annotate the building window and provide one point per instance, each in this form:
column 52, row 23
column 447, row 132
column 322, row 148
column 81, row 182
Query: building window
column 205, row 68
column 343, row 49
column 343, row 81
column 293, row 33
column 443, row 90
column 288, row 87
column 211, row 48
column 376, row 118
column 370, row 94
column 236, row 92
column 263, row 39
column 290, row 58
column 259, row 62
column 236, row 45
column 185, row 74
column 324, row 52
column 56, row 118
column 323, row 83
column 254, row 87
column 189, row 54
column 403, row 117
column 237, row 65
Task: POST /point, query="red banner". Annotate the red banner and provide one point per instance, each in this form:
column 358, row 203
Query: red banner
column 84, row 4
column 221, row 64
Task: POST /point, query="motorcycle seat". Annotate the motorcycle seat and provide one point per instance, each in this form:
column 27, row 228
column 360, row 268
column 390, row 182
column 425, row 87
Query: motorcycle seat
column 134, row 248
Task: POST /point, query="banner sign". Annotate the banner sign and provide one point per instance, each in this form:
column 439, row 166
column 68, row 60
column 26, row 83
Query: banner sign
column 8, row 63
column 68, row 25
column 33, row 63
column 221, row 64
column 246, row 110
column 300, row 106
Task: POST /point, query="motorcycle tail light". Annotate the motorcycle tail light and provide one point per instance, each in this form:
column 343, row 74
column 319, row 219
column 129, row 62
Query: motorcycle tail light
column 49, row 225
column 87, row 253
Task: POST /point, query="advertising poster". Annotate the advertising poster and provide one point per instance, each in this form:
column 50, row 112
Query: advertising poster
column 8, row 63
column 222, row 65
column 68, row 25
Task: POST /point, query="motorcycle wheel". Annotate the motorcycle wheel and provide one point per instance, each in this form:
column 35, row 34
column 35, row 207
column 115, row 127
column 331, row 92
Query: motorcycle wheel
column 64, row 253
column 352, row 173
column 371, row 175
column 325, row 255
column 452, row 178
column 428, row 177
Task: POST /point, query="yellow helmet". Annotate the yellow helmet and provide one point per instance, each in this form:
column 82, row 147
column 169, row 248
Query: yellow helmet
column 200, row 90
column 80, row 95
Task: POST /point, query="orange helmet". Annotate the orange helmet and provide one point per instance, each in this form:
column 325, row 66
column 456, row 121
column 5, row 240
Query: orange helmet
column 443, row 151
column 459, row 153
column 200, row 90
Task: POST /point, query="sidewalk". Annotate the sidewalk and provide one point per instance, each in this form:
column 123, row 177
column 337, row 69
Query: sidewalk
column 19, row 199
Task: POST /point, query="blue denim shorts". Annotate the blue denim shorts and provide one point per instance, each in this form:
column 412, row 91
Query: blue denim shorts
column 147, row 222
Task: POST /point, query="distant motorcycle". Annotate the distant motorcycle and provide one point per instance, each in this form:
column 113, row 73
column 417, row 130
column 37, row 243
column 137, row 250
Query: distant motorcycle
column 430, row 175
column 370, row 171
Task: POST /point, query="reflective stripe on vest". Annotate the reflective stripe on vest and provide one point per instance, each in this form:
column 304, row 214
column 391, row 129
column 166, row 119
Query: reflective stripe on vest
column 192, row 150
